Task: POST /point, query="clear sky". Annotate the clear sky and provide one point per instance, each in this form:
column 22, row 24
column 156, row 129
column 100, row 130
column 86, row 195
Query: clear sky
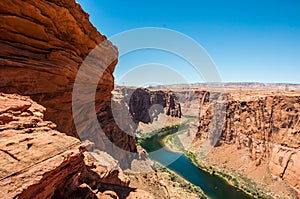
column 249, row 40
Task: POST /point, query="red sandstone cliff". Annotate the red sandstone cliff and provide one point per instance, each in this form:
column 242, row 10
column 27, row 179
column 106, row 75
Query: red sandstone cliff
column 265, row 124
column 43, row 44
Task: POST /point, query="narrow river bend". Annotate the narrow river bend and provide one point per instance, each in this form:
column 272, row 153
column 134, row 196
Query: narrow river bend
column 213, row 186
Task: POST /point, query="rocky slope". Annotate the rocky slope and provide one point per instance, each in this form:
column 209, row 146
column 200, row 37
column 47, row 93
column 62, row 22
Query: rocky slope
column 43, row 44
column 40, row 162
column 264, row 125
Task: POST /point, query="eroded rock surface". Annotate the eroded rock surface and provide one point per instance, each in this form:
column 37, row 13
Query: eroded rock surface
column 265, row 125
column 45, row 47
column 285, row 163
column 40, row 162
column 145, row 105
column 43, row 43
column 33, row 155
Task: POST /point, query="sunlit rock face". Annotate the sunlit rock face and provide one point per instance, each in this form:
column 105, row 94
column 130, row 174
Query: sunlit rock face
column 33, row 155
column 43, row 46
column 43, row 43
column 37, row 161
column 265, row 124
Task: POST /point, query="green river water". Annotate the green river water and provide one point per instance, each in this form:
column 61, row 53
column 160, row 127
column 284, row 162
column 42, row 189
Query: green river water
column 212, row 185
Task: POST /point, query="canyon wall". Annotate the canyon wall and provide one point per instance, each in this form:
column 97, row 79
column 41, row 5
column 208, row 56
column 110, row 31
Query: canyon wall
column 145, row 105
column 43, row 44
column 265, row 124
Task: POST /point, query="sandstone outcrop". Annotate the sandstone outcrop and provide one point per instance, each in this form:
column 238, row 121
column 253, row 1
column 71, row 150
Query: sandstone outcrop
column 284, row 163
column 40, row 162
column 43, row 43
column 33, row 155
column 44, row 46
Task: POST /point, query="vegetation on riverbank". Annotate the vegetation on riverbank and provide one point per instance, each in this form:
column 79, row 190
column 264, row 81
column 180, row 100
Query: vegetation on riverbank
column 241, row 182
column 173, row 142
column 168, row 130
column 170, row 138
column 178, row 181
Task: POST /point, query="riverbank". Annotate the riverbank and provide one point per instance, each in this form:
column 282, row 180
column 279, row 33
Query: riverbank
column 178, row 186
column 166, row 183
column 256, row 180
column 171, row 140
column 234, row 178
column 212, row 185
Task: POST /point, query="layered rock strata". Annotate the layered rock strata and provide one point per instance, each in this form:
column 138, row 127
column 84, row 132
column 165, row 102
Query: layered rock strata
column 145, row 105
column 40, row 162
column 43, row 44
column 52, row 53
column 265, row 125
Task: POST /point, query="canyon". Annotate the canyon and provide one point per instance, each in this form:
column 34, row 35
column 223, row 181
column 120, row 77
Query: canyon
column 41, row 162
column 250, row 133
column 44, row 143
column 48, row 149
column 265, row 126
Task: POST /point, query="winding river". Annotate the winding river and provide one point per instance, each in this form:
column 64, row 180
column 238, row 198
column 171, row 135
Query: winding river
column 213, row 186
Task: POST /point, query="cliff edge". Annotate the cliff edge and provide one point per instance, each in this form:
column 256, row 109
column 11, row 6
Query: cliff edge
column 43, row 44
column 261, row 132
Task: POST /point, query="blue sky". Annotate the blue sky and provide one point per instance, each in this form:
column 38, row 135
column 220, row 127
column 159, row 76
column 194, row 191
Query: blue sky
column 249, row 41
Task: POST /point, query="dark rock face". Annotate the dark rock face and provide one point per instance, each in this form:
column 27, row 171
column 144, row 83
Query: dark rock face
column 144, row 105
column 141, row 101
